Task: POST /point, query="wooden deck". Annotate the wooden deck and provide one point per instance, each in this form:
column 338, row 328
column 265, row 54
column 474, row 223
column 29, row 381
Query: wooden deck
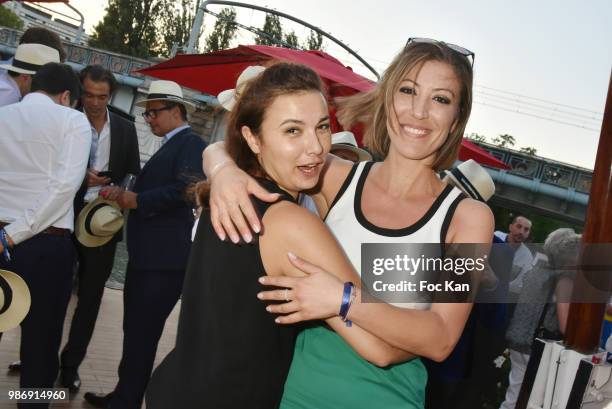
column 99, row 370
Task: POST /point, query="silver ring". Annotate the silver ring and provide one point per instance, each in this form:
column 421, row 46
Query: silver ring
column 287, row 295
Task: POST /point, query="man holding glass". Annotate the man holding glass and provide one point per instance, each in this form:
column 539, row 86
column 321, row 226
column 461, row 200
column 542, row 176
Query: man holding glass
column 158, row 239
column 113, row 157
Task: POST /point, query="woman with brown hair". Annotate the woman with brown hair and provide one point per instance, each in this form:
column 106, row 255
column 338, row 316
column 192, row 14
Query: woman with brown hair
column 229, row 352
column 414, row 118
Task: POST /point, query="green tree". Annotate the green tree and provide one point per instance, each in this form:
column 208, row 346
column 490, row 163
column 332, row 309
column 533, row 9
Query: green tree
column 129, row 27
column 504, row 141
column 291, row 40
column 477, row 137
column 529, row 151
column 314, row 41
column 272, row 31
column 224, row 31
column 10, row 19
column 175, row 23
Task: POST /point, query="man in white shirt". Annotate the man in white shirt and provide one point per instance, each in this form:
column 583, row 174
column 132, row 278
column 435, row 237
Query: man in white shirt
column 45, row 146
column 17, row 81
column 522, row 262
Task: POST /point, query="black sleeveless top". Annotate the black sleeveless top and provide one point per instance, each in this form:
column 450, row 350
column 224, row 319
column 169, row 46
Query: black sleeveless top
column 229, row 352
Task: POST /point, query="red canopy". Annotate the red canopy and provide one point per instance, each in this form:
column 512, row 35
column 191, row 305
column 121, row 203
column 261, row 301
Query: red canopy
column 216, row 71
column 470, row 150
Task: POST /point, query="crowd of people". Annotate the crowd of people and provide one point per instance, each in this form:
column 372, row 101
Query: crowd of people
column 272, row 313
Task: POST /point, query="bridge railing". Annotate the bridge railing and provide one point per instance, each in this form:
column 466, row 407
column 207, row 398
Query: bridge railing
column 544, row 170
column 117, row 63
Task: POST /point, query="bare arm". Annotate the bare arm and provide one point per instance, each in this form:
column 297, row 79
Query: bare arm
column 308, row 237
column 438, row 328
column 232, row 213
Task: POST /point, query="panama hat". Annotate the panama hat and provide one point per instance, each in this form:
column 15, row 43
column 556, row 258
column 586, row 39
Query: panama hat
column 166, row 91
column 228, row 98
column 346, row 140
column 98, row 222
column 15, row 300
column 471, row 179
column 30, row 57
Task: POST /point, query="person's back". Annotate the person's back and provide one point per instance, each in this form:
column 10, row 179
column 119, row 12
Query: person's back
column 41, row 128
column 228, row 347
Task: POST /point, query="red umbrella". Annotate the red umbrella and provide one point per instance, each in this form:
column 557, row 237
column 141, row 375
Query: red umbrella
column 216, row 71
column 470, row 150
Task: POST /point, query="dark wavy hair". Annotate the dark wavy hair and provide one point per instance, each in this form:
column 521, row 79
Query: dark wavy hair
column 255, row 98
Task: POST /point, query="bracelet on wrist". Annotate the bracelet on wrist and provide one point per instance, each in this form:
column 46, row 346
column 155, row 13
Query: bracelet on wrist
column 218, row 167
column 348, row 297
column 4, row 240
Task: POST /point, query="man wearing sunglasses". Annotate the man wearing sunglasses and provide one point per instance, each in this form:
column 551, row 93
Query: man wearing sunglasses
column 158, row 239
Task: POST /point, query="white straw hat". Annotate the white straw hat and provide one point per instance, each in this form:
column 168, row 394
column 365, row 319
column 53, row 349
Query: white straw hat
column 30, row 57
column 227, row 98
column 166, row 91
column 346, row 140
column 98, row 222
column 15, row 300
column 471, row 179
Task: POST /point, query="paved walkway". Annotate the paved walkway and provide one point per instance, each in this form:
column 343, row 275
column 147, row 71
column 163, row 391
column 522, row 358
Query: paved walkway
column 99, row 370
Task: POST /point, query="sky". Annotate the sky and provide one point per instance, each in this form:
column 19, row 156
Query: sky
column 531, row 56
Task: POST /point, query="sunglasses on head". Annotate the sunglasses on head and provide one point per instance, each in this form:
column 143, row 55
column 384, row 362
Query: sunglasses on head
column 457, row 48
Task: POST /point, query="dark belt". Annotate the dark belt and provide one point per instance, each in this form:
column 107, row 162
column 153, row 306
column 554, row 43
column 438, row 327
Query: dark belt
column 54, row 231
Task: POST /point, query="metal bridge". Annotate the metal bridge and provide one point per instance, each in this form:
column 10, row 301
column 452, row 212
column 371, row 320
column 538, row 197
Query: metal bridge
column 539, row 185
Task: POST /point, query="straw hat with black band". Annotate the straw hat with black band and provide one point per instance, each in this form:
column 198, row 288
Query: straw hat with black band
column 98, row 222
column 346, row 140
column 472, row 179
column 30, row 57
column 15, row 300
column 228, row 98
column 166, row 91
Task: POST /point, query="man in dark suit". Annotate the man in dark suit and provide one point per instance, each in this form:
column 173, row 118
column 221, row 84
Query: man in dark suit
column 114, row 154
column 159, row 239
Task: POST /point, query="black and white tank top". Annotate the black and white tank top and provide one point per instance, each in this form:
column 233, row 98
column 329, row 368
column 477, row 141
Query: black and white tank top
column 351, row 228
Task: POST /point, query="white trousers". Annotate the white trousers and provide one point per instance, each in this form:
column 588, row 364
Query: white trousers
column 518, row 363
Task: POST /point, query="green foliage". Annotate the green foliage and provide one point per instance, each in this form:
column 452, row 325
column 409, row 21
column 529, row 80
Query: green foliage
column 504, row 141
column 175, row 23
column 477, row 137
column 9, row 19
column 529, row 151
column 314, row 41
column 292, row 41
column 129, row 27
column 273, row 31
column 224, row 31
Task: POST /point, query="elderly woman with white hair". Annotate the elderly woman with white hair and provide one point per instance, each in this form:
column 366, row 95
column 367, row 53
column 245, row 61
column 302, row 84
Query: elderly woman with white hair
column 542, row 307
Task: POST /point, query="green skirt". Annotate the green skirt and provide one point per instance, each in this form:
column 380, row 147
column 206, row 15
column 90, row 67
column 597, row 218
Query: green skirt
column 327, row 373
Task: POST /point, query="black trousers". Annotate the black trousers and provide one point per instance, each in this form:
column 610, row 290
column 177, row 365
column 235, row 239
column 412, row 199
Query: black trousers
column 149, row 297
column 95, row 265
column 45, row 262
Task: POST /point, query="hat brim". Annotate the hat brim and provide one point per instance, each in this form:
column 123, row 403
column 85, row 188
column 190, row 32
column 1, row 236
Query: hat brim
column 81, row 233
column 189, row 107
column 227, row 99
column 484, row 196
column 361, row 153
column 20, row 304
column 16, row 69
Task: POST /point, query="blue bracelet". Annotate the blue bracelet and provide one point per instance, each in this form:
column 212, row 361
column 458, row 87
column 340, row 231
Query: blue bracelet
column 5, row 244
column 346, row 302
